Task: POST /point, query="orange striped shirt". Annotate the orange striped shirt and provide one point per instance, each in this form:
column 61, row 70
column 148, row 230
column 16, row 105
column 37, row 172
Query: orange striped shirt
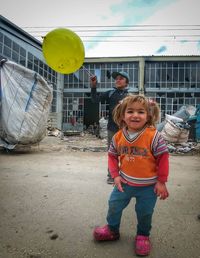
column 137, row 161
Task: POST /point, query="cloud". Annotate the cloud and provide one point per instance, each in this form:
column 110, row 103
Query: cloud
column 184, row 41
column 131, row 12
column 161, row 50
column 137, row 11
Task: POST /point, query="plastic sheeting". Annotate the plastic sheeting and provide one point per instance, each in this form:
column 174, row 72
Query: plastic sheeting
column 184, row 113
column 103, row 128
column 198, row 124
column 25, row 103
column 174, row 133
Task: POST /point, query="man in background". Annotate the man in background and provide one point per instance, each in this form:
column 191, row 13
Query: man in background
column 112, row 97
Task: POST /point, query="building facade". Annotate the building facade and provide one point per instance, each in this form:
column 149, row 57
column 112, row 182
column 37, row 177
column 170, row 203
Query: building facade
column 173, row 81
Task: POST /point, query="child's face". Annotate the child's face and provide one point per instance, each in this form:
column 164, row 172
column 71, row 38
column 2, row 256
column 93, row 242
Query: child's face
column 135, row 117
column 120, row 82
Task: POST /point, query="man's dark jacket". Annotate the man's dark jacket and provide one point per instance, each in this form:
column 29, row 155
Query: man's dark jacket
column 112, row 97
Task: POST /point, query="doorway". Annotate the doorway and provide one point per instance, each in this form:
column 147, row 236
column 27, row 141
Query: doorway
column 91, row 113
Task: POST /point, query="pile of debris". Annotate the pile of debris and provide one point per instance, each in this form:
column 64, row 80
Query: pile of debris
column 189, row 148
column 85, row 142
column 51, row 131
column 179, row 132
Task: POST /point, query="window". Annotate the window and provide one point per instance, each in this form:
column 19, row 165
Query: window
column 7, row 51
column 7, row 41
column 1, row 37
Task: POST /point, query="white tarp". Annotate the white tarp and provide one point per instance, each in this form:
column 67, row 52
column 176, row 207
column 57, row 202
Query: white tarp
column 173, row 133
column 184, row 113
column 25, row 102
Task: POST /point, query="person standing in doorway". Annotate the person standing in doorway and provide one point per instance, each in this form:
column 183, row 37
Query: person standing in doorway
column 112, row 97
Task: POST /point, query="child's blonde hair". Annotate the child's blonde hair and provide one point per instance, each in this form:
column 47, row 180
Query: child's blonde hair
column 152, row 108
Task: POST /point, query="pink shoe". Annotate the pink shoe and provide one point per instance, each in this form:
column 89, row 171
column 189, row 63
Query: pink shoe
column 105, row 234
column 142, row 245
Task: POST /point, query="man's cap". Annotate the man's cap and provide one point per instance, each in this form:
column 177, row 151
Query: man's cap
column 122, row 73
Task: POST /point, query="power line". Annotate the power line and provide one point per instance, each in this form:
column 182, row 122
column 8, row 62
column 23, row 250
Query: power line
column 112, row 26
column 134, row 28
column 174, row 35
column 136, row 41
column 141, row 41
column 142, row 37
column 136, row 36
column 36, row 31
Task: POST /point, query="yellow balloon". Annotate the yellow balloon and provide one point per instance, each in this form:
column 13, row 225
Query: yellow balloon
column 63, row 50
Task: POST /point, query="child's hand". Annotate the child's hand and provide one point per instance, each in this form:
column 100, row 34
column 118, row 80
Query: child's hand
column 117, row 181
column 93, row 80
column 161, row 190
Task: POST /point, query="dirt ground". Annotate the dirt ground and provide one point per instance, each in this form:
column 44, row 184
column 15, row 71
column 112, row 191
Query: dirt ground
column 54, row 194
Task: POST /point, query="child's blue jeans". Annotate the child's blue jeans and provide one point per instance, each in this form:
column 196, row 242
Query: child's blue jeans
column 144, row 207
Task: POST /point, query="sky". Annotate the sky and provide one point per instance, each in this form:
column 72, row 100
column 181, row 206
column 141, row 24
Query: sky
column 114, row 28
